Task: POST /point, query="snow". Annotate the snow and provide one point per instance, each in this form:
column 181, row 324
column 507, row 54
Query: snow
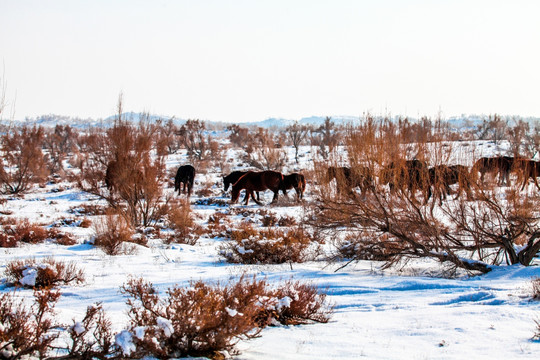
column 78, row 328
column 124, row 340
column 379, row 314
column 29, row 277
column 165, row 325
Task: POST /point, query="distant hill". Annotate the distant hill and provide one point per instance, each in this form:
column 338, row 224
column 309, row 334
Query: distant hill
column 51, row 120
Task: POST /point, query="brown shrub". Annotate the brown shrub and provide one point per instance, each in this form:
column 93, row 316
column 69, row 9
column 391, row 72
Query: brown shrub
column 112, row 231
column 180, row 219
column 268, row 246
column 536, row 288
column 295, row 303
column 61, row 238
column 22, row 231
column 43, row 274
column 200, row 320
column 204, row 320
column 286, row 221
column 28, row 332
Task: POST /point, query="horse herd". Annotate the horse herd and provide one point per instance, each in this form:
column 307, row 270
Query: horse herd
column 415, row 175
column 250, row 181
column 406, row 175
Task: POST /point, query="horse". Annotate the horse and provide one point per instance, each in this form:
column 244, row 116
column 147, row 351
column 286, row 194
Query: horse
column 442, row 176
column 296, row 181
column 409, row 174
column 123, row 177
column 347, row 178
column 185, row 175
column 232, row 178
column 500, row 165
column 257, row 181
column 527, row 169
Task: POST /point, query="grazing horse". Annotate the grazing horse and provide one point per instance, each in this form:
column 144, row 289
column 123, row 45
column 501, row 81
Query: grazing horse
column 232, row 178
column 527, row 169
column 185, row 175
column 500, row 165
column 296, row 181
column 347, row 178
column 442, row 176
column 124, row 177
column 257, row 181
column 409, row 174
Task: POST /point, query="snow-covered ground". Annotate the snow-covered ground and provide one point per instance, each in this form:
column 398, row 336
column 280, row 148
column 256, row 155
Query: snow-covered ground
column 388, row 314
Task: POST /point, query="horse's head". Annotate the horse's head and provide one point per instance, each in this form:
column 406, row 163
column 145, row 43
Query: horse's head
column 226, row 184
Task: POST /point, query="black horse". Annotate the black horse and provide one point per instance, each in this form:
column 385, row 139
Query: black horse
column 185, row 175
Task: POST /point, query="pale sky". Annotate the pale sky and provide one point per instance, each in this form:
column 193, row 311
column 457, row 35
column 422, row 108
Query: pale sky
column 238, row 61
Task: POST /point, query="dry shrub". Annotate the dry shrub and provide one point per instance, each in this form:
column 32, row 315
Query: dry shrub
column 43, row 274
column 27, row 332
column 112, row 231
column 218, row 224
column 22, row 231
column 268, row 246
column 27, row 232
column 268, row 218
column 92, row 337
column 61, row 238
column 205, row 320
column 180, row 219
column 286, row 220
column 89, row 209
column 200, row 320
column 295, row 303
column 536, row 288
column 85, row 223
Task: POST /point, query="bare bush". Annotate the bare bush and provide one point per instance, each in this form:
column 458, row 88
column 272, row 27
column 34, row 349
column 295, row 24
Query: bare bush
column 394, row 227
column 43, row 274
column 122, row 158
column 204, row 320
column 268, row 246
column 535, row 283
column 200, row 320
column 23, row 162
column 23, row 231
column 180, row 219
column 112, row 232
column 28, row 332
column 91, row 337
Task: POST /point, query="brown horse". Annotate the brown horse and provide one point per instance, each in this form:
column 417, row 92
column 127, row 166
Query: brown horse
column 442, row 176
column 499, row 165
column 257, row 181
column 526, row 169
column 232, row 178
column 347, row 178
column 123, row 176
column 412, row 175
column 296, row 181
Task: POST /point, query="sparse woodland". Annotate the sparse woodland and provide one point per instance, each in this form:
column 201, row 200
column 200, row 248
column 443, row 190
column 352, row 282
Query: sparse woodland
column 397, row 203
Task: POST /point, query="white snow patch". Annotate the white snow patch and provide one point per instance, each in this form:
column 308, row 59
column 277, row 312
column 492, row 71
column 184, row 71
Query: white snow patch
column 124, row 340
column 166, row 325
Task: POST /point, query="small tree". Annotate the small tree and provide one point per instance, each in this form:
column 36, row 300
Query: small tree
column 23, row 160
column 297, row 134
column 193, row 138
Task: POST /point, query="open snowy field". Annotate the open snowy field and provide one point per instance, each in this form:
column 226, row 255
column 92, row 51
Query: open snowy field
column 379, row 314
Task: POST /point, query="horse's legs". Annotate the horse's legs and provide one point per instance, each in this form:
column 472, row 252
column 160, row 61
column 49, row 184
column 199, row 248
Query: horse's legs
column 274, row 199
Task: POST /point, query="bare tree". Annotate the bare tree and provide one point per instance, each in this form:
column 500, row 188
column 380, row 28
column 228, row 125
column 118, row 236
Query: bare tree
column 297, row 134
column 23, row 161
column 394, row 227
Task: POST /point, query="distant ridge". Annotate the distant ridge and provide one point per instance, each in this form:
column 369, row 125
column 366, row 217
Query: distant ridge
column 51, row 120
